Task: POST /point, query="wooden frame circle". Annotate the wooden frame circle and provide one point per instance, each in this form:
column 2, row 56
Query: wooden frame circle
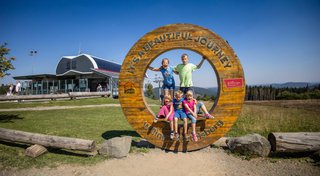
column 230, row 77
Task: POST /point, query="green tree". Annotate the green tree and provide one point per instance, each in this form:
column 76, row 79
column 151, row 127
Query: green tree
column 5, row 62
column 149, row 91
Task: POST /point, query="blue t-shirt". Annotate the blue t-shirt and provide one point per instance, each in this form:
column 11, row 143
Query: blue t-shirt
column 177, row 104
column 167, row 75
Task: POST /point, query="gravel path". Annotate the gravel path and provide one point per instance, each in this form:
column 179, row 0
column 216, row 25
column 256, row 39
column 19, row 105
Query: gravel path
column 206, row 162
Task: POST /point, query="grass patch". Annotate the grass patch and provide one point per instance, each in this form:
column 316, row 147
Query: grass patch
column 88, row 123
column 102, row 123
column 265, row 119
column 77, row 102
column 151, row 101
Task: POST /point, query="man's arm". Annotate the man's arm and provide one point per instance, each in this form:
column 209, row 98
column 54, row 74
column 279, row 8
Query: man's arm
column 175, row 70
column 201, row 62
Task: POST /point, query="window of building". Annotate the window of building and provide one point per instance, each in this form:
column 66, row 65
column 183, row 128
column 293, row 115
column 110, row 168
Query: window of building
column 68, row 65
column 74, row 64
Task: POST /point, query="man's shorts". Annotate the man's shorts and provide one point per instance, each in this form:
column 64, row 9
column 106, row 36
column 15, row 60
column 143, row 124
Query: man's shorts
column 185, row 89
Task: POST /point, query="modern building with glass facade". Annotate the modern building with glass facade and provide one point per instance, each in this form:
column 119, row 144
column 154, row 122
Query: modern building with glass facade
column 82, row 73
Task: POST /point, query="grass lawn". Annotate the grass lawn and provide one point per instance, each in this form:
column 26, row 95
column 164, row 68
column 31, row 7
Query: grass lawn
column 77, row 102
column 102, row 123
column 264, row 119
column 88, row 123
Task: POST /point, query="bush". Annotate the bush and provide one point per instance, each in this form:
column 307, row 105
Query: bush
column 315, row 94
column 4, row 89
column 286, row 95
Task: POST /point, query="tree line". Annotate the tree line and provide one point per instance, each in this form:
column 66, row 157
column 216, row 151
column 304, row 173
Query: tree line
column 288, row 93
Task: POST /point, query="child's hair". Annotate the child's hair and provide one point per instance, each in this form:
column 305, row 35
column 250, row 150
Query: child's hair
column 164, row 60
column 189, row 93
column 179, row 92
column 184, row 55
column 167, row 97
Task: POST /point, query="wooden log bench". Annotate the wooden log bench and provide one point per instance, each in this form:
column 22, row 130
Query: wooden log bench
column 295, row 142
column 74, row 95
column 47, row 140
column 34, row 97
column 71, row 95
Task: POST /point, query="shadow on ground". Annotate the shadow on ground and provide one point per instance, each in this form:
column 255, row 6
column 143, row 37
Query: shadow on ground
column 118, row 133
column 9, row 118
column 141, row 143
column 287, row 155
column 50, row 150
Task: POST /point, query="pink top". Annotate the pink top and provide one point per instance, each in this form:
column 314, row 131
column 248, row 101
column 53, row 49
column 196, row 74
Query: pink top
column 168, row 105
column 190, row 104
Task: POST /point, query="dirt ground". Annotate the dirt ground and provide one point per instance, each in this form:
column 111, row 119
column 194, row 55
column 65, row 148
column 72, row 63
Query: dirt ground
column 206, row 162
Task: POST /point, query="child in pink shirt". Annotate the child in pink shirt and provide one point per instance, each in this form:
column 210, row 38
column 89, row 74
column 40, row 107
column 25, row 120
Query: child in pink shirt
column 167, row 112
column 192, row 107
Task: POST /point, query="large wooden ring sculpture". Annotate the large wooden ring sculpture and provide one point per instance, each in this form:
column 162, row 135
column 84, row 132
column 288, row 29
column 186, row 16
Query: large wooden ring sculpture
column 231, row 84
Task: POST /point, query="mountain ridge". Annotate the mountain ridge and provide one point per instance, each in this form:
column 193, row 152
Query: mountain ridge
column 213, row 91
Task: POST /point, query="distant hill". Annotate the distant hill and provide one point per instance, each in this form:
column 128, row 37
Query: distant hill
column 291, row 84
column 198, row 90
column 214, row 90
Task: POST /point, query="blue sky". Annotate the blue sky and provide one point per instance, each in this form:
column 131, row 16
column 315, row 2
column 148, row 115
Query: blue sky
column 276, row 41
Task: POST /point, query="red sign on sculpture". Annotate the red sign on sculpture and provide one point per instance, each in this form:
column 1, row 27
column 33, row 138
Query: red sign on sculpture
column 233, row 83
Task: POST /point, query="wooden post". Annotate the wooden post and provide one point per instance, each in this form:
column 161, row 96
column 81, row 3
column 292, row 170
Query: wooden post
column 295, row 142
column 47, row 140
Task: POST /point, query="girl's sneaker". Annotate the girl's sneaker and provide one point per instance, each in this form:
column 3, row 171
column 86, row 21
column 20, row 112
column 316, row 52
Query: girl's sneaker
column 209, row 116
column 155, row 120
column 194, row 137
column 177, row 136
column 185, row 137
column 172, row 135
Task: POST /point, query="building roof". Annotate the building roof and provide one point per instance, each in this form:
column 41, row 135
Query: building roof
column 106, row 73
column 107, row 65
column 82, row 64
column 35, row 77
column 66, row 66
